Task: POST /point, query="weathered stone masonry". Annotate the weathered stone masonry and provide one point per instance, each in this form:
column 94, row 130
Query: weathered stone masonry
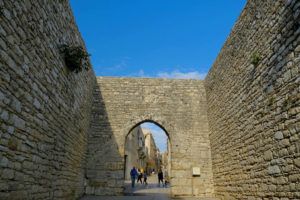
column 254, row 110
column 62, row 133
column 179, row 106
column 44, row 108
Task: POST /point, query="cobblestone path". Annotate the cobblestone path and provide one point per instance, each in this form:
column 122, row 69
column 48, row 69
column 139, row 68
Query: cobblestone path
column 144, row 192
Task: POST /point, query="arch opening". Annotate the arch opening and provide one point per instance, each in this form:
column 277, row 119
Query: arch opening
column 147, row 148
column 149, row 121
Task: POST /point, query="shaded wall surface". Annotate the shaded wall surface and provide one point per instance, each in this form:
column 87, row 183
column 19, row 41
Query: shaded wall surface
column 254, row 108
column 178, row 106
column 132, row 154
column 44, row 108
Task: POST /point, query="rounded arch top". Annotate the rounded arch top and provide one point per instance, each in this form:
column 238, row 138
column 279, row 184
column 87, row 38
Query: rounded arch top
column 149, row 121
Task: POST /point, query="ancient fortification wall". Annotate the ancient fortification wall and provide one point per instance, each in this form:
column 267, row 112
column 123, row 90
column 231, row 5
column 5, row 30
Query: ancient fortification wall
column 254, row 108
column 51, row 117
column 44, row 107
column 178, row 106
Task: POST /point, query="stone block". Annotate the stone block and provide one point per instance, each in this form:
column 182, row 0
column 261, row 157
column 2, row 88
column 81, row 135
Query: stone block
column 7, row 174
column 36, row 103
column 278, row 135
column 297, row 162
column 4, row 115
column 274, row 170
column 18, row 122
column 3, row 162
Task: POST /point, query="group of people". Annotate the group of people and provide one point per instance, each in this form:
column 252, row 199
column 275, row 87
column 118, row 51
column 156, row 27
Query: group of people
column 139, row 174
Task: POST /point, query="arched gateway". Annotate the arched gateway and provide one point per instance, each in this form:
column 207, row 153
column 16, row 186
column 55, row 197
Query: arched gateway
column 137, row 153
column 179, row 106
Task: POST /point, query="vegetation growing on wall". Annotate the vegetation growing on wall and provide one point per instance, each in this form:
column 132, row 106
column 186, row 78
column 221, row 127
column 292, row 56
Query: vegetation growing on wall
column 76, row 58
column 255, row 59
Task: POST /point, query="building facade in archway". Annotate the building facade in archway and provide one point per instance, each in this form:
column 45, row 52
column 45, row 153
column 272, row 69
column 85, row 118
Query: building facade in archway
column 153, row 161
column 135, row 151
column 142, row 152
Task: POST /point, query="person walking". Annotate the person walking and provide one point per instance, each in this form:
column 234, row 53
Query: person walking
column 133, row 175
column 140, row 176
column 166, row 180
column 160, row 176
column 145, row 178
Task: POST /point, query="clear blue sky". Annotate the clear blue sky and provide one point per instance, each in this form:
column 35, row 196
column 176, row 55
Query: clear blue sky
column 155, row 38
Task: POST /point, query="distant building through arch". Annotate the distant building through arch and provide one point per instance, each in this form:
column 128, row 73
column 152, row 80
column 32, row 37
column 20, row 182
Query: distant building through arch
column 142, row 151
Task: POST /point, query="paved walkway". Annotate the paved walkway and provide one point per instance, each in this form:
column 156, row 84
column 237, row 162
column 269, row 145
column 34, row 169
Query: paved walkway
column 143, row 192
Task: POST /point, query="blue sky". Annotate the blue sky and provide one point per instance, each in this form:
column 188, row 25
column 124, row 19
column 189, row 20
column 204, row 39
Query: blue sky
column 159, row 135
column 155, row 38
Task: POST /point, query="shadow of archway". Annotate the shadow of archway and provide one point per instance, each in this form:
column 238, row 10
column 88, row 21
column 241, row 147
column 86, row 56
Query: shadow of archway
column 101, row 171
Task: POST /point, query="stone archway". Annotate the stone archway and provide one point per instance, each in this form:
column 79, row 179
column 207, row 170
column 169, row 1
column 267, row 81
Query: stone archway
column 179, row 106
column 132, row 157
column 146, row 119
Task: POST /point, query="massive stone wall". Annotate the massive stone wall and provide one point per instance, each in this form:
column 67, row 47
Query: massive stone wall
column 44, row 108
column 178, row 106
column 252, row 97
column 254, row 109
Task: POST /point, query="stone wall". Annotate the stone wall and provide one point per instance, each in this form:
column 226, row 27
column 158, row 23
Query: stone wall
column 44, row 108
column 178, row 106
column 252, row 94
column 254, row 109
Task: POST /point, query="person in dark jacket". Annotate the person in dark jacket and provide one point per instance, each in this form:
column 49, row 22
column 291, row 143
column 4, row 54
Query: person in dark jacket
column 145, row 178
column 133, row 175
column 160, row 176
column 140, row 176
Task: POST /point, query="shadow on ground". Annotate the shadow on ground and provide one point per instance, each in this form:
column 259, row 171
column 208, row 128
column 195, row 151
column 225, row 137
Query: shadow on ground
column 144, row 192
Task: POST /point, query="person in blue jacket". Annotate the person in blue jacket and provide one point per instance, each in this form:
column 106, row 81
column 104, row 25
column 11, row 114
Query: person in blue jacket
column 133, row 175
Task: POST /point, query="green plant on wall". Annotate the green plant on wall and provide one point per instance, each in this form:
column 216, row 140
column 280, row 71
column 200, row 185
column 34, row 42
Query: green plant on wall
column 76, row 58
column 255, row 59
